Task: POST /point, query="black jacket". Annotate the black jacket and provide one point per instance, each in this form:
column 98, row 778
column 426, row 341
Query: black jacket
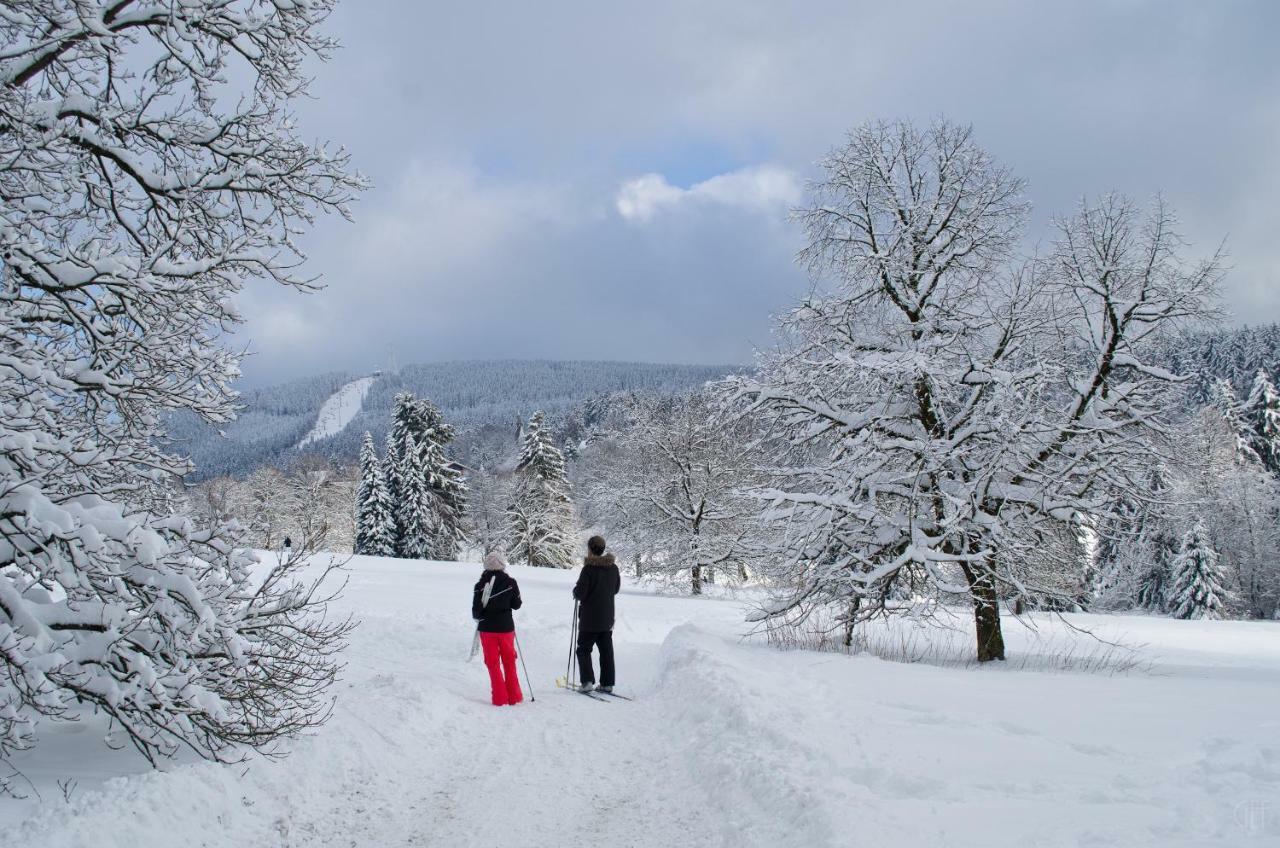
column 505, row 597
column 596, row 586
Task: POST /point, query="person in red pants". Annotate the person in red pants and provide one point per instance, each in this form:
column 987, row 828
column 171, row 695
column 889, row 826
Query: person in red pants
column 495, row 596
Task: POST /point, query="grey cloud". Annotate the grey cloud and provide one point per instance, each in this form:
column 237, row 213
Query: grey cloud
column 499, row 137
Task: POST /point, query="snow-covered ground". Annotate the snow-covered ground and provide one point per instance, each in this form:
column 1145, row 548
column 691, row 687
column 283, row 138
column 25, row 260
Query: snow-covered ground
column 338, row 410
column 730, row 743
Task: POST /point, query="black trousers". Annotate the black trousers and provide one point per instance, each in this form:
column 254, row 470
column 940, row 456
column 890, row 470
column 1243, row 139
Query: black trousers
column 603, row 639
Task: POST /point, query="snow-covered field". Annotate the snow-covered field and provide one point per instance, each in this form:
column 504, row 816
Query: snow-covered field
column 338, row 410
column 730, row 743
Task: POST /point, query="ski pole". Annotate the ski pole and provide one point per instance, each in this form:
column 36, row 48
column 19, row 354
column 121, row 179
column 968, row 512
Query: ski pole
column 527, row 680
column 573, row 637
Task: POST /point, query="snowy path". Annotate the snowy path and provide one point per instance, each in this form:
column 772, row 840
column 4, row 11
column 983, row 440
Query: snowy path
column 729, row 745
column 338, row 410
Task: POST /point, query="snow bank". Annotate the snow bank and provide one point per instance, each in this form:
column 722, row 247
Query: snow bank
column 727, row 725
column 826, row 749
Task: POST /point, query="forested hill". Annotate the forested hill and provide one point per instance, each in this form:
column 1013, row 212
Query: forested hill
column 480, row 398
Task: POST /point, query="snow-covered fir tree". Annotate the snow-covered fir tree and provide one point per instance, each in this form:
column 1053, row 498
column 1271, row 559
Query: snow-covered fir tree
column 1262, row 414
column 541, row 526
column 948, row 404
column 446, row 492
column 375, row 522
column 415, row 518
column 1223, row 398
column 142, row 183
column 1197, row 590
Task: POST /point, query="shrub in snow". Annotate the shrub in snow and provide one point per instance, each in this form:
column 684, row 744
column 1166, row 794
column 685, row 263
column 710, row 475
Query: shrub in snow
column 136, row 194
column 947, row 403
column 541, row 528
column 1197, row 590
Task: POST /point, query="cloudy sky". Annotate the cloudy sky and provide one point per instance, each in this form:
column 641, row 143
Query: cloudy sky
column 611, row 181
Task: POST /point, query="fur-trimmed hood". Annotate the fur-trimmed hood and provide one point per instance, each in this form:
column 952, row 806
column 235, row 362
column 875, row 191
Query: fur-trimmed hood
column 604, row 560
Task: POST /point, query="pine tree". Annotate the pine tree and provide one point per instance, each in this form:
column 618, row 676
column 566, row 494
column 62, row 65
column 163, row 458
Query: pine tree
column 414, row 516
column 375, row 524
column 1224, row 400
column 541, row 516
column 444, row 482
column 1262, row 414
column 1197, row 590
column 391, row 475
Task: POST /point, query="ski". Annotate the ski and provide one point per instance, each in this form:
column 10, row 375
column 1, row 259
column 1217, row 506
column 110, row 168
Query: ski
column 616, row 695
column 590, row 693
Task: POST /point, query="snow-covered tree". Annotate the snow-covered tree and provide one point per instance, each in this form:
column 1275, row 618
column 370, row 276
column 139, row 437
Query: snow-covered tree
column 1235, row 499
column 415, row 518
column 446, row 492
column 1262, row 414
column 541, row 526
column 139, row 188
column 947, row 404
column 490, row 495
column 1223, row 398
column 271, row 502
column 1197, row 590
column 375, row 524
column 671, row 486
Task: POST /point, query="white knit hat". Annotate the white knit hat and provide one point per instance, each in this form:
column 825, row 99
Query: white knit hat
column 493, row 562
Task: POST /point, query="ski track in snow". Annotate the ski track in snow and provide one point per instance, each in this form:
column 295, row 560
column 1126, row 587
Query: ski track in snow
column 338, row 410
column 729, row 744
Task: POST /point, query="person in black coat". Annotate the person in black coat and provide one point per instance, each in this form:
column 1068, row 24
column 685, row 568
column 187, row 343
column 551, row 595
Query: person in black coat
column 495, row 596
column 598, row 582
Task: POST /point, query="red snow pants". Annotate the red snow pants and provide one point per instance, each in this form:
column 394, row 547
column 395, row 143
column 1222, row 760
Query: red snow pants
column 500, row 659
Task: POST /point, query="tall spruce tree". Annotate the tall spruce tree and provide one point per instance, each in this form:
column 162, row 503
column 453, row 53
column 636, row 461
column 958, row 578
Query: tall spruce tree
column 415, row 518
column 1262, row 414
column 375, row 524
column 1197, row 590
column 443, row 480
column 391, row 474
column 541, row 521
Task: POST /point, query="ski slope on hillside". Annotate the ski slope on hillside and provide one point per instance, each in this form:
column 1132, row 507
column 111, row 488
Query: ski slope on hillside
column 338, row 410
column 730, row 743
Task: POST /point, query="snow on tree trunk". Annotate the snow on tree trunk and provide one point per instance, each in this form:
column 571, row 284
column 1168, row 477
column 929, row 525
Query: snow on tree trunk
column 948, row 405
column 138, row 191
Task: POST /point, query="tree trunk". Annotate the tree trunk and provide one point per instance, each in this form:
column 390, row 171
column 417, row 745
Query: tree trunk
column 986, row 614
column 852, row 618
column 697, row 580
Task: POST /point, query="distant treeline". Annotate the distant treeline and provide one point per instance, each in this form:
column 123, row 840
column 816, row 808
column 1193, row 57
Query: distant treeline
column 481, row 399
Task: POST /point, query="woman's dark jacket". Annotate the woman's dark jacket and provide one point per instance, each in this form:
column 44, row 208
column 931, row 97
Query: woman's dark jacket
column 505, row 597
column 596, row 586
